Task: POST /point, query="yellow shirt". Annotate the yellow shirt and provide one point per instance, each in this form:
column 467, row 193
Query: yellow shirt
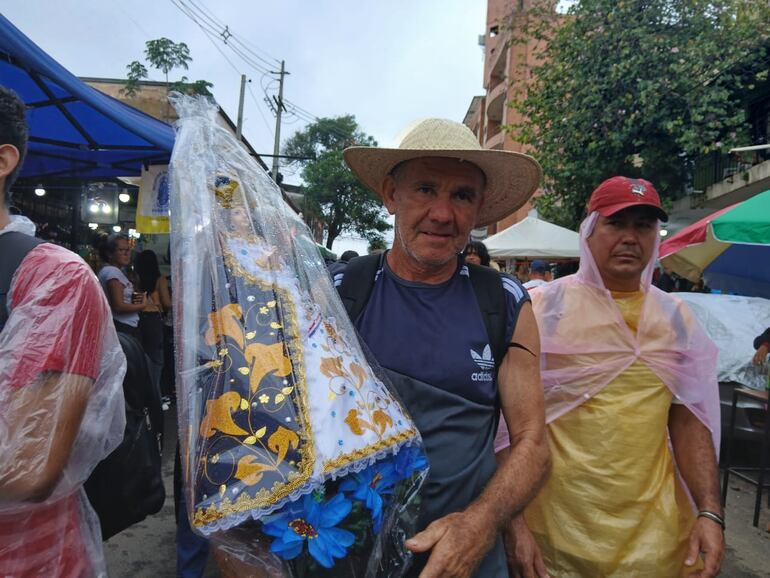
column 614, row 505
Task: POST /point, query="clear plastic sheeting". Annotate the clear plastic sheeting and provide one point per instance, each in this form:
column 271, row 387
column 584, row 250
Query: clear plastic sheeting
column 297, row 458
column 585, row 342
column 61, row 412
column 732, row 322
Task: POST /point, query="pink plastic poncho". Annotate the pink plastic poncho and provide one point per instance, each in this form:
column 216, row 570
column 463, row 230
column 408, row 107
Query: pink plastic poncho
column 60, row 362
column 586, row 344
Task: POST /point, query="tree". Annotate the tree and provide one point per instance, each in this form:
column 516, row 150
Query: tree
column 634, row 87
column 165, row 55
column 333, row 194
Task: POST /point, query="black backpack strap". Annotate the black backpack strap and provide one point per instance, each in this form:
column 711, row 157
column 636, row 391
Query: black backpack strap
column 357, row 283
column 14, row 246
column 488, row 287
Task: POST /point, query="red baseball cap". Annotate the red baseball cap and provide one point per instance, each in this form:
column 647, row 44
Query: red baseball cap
column 618, row 193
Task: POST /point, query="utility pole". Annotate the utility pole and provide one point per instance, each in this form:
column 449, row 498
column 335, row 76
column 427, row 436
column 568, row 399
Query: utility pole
column 239, row 125
column 279, row 108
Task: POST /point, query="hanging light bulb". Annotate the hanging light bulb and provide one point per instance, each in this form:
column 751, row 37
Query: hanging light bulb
column 124, row 197
column 117, row 228
column 663, row 232
column 93, row 226
column 106, row 209
column 40, row 191
column 93, row 207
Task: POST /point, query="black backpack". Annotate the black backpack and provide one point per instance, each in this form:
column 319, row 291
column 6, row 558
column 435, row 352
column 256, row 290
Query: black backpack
column 358, row 281
column 127, row 486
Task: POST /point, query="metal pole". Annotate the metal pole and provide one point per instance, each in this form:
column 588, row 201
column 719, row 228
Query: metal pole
column 278, row 110
column 239, row 125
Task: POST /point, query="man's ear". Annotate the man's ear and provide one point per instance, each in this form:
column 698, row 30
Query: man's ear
column 388, row 192
column 9, row 160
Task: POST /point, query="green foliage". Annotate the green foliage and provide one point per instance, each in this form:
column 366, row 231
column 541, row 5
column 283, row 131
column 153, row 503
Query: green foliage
column 333, row 194
column 377, row 243
column 634, row 87
column 136, row 72
column 165, row 55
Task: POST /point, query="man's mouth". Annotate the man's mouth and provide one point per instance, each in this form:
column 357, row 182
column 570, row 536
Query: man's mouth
column 436, row 235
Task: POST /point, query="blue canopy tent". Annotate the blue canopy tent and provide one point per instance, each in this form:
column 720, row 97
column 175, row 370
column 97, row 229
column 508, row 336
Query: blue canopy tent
column 75, row 130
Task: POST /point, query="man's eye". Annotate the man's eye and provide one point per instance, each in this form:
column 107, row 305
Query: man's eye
column 425, row 189
column 465, row 196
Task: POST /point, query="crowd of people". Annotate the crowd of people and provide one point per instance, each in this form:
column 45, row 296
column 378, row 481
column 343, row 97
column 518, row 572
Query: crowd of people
column 571, row 425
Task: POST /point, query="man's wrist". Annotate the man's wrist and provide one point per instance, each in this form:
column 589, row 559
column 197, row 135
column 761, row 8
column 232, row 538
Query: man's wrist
column 713, row 516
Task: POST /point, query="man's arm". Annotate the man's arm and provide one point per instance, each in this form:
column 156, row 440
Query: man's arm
column 696, row 459
column 460, row 541
column 43, row 420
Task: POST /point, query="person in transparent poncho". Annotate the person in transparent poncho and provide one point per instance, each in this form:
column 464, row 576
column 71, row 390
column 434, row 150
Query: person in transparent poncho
column 631, row 400
column 61, row 400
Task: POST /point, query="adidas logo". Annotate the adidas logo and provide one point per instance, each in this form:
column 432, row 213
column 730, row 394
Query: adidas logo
column 485, row 363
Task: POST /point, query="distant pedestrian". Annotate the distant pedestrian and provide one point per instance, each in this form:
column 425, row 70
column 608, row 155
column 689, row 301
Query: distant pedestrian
column 124, row 302
column 539, row 274
column 339, row 266
column 476, row 252
column 157, row 306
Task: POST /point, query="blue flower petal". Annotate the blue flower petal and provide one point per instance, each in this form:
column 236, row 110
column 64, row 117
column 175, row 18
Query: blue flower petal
column 340, row 537
column 320, row 552
column 287, row 551
column 334, row 511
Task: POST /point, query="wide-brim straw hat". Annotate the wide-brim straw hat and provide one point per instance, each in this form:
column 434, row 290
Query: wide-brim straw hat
column 511, row 177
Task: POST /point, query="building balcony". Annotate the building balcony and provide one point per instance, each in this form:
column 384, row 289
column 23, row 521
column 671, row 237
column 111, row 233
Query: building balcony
column 496, row 141
column 496, row 103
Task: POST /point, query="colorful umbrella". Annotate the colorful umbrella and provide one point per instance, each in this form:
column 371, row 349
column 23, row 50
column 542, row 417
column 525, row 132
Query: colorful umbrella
column 730, row 249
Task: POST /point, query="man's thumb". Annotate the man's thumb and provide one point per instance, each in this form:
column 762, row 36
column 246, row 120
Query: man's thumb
column 425, row 540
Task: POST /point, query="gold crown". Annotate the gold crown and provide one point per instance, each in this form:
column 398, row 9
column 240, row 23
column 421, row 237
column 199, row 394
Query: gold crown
column 225, row 191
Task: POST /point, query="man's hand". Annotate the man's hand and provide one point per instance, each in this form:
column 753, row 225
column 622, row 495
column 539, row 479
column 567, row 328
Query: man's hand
column 708, row 538
column 458, row 542
column 761, row 354
column 522, row 552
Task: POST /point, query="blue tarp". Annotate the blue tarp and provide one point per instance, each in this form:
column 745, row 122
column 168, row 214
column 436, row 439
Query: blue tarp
column 75, row 130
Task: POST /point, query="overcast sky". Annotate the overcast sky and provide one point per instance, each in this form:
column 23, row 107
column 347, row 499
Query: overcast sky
column 388, row 62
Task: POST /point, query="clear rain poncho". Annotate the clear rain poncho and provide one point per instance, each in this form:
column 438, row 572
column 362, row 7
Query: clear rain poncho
column 297, row 458
column 585, row 343
column 61, row 412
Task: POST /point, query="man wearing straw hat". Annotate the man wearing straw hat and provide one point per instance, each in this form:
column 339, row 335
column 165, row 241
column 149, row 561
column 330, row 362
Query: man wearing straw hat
column 427, row 322
column 631, row 401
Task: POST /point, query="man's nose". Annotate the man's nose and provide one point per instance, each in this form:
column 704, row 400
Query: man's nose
column 441, row 210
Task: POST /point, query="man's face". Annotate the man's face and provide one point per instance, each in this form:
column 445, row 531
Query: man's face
column 435, row 201
column 622, row 245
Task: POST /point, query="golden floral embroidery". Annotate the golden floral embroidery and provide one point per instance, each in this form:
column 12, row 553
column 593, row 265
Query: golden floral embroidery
column 219, row 416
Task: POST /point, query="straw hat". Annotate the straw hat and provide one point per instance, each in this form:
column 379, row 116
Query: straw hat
column 511, row 177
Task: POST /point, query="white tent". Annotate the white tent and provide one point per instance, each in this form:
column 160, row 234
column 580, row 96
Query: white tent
column 535, row 239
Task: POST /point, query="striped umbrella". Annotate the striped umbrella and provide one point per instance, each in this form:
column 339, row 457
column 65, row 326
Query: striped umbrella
column 730, row 249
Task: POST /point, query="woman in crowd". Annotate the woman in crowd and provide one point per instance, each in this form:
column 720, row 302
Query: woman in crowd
column 125, row 304
column 151, row 318
column 476, row 252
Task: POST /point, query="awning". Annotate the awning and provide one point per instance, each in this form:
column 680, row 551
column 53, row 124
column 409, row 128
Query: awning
column 75, row 130
column 534, row 239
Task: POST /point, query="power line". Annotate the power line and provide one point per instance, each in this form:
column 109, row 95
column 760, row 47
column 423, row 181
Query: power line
column 259, row 110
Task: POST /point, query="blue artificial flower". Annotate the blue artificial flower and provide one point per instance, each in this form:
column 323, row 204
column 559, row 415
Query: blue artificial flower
column 408, row 461
column 309, row 520
column 370, row 485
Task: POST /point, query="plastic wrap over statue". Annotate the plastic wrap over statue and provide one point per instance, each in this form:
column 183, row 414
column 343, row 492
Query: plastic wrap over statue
column 276, row 397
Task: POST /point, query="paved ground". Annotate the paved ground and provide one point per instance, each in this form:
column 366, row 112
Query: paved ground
column 147, row 550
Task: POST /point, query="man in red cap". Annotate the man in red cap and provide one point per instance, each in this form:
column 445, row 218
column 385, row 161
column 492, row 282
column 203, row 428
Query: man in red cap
column 632, row 409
